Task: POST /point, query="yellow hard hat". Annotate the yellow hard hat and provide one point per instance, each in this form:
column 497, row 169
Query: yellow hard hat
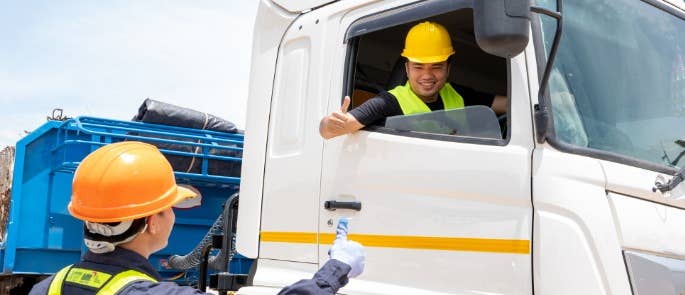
column 124, row 181
column 428, row 42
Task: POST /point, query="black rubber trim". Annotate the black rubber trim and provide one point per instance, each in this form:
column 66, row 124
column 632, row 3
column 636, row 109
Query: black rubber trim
column 350, row 66
column 630, row 275
column 609, row 156
column 402, row 15
column 541, row 55
column 509, row 99
column 667, row 8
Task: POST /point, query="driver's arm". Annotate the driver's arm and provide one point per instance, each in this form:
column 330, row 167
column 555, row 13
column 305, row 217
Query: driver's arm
column 339, row 122
column 499, row 104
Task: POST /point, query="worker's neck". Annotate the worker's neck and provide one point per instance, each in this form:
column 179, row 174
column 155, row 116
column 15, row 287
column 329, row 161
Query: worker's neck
column 429, row 99
column 138, row 247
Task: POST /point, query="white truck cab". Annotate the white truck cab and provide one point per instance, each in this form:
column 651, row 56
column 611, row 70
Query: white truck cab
column 566, row 193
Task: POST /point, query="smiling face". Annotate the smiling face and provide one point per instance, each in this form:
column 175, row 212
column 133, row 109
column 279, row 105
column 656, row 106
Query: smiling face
column 426, row 79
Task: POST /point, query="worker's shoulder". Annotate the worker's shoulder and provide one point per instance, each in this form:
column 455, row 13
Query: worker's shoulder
column 386, row 95
column 41, row 288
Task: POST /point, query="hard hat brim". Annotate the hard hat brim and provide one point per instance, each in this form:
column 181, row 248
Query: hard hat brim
column 428, row 59
column 183, row 194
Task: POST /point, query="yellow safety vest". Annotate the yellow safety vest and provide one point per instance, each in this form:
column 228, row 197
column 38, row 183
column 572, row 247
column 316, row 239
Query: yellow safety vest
column 412, row 104
column 103, row 282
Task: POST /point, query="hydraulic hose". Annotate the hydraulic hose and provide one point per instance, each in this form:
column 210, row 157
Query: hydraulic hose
column 221, row 260
column 223, row 225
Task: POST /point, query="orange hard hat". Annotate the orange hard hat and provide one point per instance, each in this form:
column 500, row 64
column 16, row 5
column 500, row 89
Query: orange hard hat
column 428, row 42
column 124, row 181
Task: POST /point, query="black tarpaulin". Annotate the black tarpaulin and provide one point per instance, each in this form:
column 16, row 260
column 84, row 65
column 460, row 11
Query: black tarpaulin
column 157, row 112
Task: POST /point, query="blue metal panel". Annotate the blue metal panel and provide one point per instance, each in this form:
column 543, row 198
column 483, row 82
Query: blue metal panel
column 21, row 172
column 41, row 235
column 43, row 260
column 240, row 264
column 32, row 215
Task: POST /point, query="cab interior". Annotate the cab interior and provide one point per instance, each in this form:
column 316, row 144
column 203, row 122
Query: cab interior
column 380, row 67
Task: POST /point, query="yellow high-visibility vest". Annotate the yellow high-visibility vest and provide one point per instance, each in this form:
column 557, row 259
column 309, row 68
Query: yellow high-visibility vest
column 102, row 282
column 412, row 104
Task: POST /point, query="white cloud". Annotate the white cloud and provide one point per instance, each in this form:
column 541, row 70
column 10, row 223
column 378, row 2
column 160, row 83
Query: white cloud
column 8, row 136
column 103, row 59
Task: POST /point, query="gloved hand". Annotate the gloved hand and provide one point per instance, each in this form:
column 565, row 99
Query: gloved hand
column 348, row 252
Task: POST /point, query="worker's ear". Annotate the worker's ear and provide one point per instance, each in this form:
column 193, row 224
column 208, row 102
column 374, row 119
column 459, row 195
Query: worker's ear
column 153, row 223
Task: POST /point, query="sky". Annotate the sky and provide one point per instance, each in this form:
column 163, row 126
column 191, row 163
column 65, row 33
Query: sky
column 103, row 58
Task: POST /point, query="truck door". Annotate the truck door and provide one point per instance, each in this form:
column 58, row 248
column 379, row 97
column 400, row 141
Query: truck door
column 439, row 212
column 293, row 157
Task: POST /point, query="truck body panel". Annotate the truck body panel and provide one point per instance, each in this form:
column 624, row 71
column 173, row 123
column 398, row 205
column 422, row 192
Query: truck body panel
column 574, row 234
column 647, row 226
column 412, row 189
column 294, row 145
column 423, row 199
column 271, row 23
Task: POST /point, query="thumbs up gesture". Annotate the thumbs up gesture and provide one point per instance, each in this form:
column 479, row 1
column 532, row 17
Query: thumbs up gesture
column 346, row 251
column 339, row 118
column 339, row 122
column 345, row 105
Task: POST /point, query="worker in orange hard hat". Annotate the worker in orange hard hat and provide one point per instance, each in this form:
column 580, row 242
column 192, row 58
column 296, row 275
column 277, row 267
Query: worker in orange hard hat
column 427, row 50
column 124, row 192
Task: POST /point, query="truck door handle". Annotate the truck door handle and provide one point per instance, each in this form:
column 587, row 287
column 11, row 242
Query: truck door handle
column 333, row 205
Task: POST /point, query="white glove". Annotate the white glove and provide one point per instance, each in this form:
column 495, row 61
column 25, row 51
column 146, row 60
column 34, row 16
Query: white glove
column 348, row 252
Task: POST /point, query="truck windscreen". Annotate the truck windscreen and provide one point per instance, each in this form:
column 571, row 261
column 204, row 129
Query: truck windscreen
column 618, row 81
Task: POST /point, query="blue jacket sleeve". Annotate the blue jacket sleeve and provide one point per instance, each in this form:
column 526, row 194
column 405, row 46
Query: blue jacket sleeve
column 328, row 280
column 41, row 288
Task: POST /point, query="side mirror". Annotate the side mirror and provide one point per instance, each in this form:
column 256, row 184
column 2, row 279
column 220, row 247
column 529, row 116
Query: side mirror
column 502, row 26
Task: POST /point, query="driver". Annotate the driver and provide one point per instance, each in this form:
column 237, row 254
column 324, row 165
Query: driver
column 427, row 50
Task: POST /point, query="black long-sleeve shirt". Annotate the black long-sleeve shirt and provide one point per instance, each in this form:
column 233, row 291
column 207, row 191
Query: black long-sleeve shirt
column 376, row 109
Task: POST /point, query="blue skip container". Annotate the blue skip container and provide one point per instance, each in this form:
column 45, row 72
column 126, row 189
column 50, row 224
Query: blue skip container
column 40, row 235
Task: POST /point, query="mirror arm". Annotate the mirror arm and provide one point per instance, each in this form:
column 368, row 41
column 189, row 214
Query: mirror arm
column 542, row 111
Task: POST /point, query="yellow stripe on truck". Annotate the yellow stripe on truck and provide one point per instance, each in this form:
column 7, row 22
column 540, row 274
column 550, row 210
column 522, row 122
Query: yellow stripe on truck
column 289, row 237
column 407, row 242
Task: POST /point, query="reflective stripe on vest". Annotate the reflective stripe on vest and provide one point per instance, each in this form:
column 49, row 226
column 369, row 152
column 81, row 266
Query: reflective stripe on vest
column 102, row 282
column 412, row 104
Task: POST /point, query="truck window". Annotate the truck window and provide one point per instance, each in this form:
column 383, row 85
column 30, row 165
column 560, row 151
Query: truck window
column 377, row 67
